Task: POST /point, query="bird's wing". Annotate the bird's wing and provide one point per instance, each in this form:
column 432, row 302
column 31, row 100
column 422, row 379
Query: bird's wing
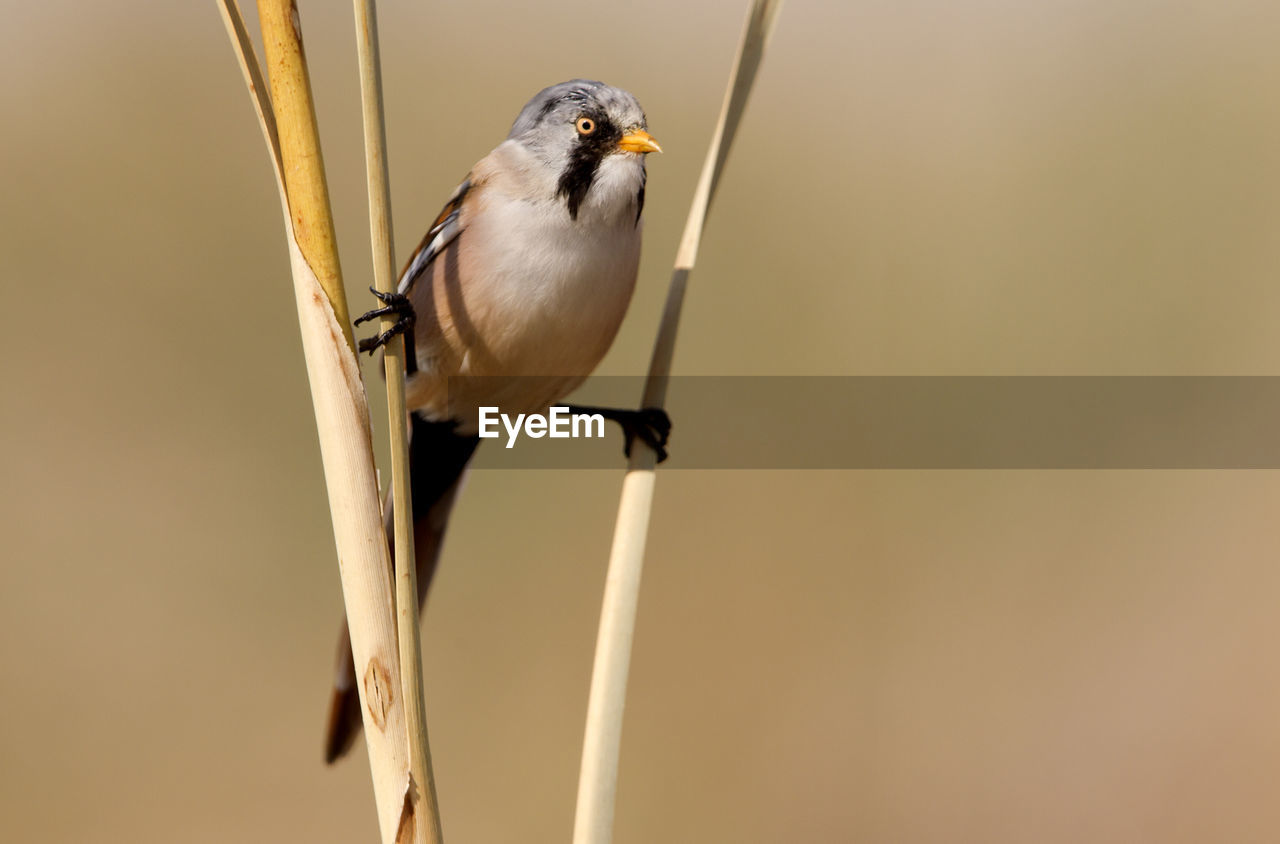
column 442, row 232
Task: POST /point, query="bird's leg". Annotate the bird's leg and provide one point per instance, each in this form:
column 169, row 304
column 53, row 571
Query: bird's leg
column 650, row 424
column 394, row 303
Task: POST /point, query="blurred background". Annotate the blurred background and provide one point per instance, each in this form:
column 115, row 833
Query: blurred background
column 994, row 187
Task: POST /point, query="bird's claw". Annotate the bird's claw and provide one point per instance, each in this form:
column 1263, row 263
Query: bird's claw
column 651, row 425
column 393, row 303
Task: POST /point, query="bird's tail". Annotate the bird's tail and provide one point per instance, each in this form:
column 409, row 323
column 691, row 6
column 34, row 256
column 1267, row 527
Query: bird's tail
column 437, row 458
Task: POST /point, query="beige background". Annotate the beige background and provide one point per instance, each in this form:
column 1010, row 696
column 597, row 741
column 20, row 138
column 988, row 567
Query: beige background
column 920, row 187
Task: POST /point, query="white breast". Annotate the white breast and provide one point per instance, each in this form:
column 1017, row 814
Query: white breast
column 555, row 289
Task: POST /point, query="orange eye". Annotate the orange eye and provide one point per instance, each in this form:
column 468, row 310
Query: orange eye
column 585, row 125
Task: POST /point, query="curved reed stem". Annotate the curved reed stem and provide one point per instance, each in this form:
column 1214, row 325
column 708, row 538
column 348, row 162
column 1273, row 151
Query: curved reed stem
column 597, row 780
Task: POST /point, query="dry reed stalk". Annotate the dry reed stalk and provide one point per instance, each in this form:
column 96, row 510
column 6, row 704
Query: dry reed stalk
column 598, row 778
column 428, row 829
column 341, row 409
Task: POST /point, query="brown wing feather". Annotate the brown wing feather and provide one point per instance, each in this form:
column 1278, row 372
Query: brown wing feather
column 447, row 226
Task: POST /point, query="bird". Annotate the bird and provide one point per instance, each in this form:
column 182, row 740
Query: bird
column 511, row 299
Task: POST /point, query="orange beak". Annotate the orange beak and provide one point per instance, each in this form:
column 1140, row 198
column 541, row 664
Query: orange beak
column 639, row 141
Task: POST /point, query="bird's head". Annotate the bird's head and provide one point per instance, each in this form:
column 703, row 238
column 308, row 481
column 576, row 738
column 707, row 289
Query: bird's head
column 593, row 137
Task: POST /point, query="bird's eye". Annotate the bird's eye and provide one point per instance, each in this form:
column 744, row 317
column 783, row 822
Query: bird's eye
column 585, row 125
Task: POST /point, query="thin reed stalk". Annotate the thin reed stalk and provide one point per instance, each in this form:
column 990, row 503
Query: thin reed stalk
column 288, row 124
column 598, row 777
column 428, row 828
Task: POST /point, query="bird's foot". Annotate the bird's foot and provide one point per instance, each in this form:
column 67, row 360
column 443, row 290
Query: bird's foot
column 393, row 303
column 650, row 425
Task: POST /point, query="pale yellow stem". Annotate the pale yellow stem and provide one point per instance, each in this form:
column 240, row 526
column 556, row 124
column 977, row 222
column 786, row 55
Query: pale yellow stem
column 597, row 781
column 427, row 828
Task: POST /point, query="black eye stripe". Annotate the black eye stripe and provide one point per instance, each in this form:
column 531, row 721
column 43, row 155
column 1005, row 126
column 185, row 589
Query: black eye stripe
column 603, row 133
column 584, row 159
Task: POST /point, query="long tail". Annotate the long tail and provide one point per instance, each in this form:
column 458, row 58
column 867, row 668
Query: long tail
column 437, row 459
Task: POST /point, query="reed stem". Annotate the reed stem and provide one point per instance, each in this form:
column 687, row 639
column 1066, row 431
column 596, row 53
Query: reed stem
column 428, row 828
column 598, row 777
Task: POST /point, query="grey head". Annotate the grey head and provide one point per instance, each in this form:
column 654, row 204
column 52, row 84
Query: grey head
column 578, row 126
